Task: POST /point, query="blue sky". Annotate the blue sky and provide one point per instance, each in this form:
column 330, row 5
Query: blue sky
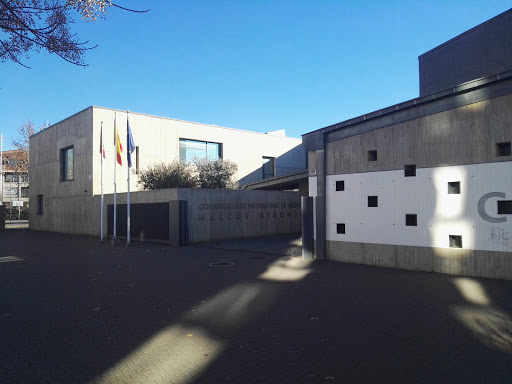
column 253, row 65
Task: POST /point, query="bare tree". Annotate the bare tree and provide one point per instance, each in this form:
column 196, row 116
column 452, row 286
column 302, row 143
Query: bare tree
column 45, row 24
column 21, row 143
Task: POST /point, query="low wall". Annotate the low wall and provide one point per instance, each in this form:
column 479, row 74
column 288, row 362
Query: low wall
column 467, row 262
column 211, row 214
column 225, row 214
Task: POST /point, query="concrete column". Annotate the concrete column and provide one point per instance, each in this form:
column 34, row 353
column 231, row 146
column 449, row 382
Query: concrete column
column 308, row 239
column 320, row 205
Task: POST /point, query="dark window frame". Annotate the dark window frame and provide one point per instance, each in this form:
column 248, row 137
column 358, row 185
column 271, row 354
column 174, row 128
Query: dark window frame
column 39, row 204
column 266, row 175
column 340, row 185
column 372, row 155
column 64, row 164
column 340, row 228
column 191, row 141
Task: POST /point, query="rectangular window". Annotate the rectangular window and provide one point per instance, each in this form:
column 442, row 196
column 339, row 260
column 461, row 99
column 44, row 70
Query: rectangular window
column 340, row 228
column 137, row 160
column 340, row 185
column 8, row 178
column 39, row 204
column 505, row 207
column 11, row 192
column 24, row 191
column 15, row 178
column 410, row 170
column 455, row 241
column 194, row 149
column 373, row 201
column 503, row 149
column 454, row 187
column 372, row 155
column 267, row 166
column 66, row 164
column 411, row 220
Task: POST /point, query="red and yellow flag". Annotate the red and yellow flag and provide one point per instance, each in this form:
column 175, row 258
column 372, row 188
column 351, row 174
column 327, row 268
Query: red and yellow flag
column 117, row 142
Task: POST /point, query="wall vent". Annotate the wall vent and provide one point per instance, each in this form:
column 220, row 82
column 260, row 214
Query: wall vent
column 503, row 149
column 455, row 241
column 372, row 155
column 411, row 220
column 410, row 170
column 454, row 187
column 505, row 207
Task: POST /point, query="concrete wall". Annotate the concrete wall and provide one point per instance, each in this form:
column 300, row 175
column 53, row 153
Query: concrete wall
column 442, row 260
column 45, row 149
column 219, row 214
column 458, row 144
column 480, row 52
column 464, row 135
column 212, row 214
column 158, row 141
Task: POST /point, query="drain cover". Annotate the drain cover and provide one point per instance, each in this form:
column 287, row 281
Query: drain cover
column 222, row 264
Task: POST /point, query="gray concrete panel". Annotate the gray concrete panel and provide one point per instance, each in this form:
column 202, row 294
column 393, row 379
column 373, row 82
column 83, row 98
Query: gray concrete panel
column 465, row 135
column 454, row 261
column 480, row 52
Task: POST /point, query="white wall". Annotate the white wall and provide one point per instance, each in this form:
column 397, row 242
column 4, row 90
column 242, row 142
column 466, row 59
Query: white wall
column 439, row 214
column 158, row 140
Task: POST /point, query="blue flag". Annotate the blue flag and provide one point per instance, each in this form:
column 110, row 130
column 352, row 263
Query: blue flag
column 131, row 144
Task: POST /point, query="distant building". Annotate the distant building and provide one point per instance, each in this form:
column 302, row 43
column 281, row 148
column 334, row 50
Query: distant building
column 65, row 159
column 15, row 182
column 425, row 184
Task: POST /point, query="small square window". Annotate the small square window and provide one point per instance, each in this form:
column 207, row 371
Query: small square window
column 410, row 170
column 373, row 201
column 455, row 241
column 503, row 149
column 340, row 228
column 340, row 185
column 454, row 187
column 411, row 220
column 372, row 155
column 505, row 207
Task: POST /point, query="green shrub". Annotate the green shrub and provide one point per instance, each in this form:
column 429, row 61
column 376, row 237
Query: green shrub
column 167, row 175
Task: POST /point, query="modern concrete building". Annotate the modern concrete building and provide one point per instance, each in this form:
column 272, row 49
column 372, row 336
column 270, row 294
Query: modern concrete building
column 14, row 193
column 65, row 161
column 425, row 184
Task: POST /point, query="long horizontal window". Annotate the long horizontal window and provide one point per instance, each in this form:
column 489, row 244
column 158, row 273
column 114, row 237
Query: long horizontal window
column 194, row 149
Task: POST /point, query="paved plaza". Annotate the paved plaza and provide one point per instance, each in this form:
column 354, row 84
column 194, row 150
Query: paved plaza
column 73, row 310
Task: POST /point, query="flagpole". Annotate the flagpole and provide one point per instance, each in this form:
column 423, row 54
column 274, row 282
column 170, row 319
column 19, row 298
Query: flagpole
column 115, row 184
column 101, row 156
column 128, row 195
